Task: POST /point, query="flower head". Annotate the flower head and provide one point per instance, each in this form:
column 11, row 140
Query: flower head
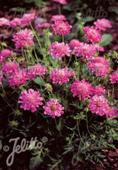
column 114, row 77
column 23, row 38
column 63, row 2
column 15, row 22
column 61, row 28
column 99, row 90
column 92, row 35
column 36, row 70
column 10, row 68
column 61, row 76
column 59, row 50
column 99, row 66
column 27, row 19
column 53, row 108
column 58, row 18
column 74, row 43
column 4, row 22
column 30, row 100
column 81, row 89
column 102, row 24
column 5, row 54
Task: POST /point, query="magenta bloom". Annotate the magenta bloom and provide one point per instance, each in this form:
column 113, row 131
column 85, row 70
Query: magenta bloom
column 30, row 100
column 42, row 25
column 99, row 90
column 4, row 22
column 59, row 50
column 36, row 70
column 87, row 51
column 18, row 78
column 102, row 24
column 5, row 54
column 58, row 18
column 114, row 77
column 99, row 66
column 10, row 68
column 61, row 76
column 74, row 43
column 61, row 28
column 81, row 89
column 92, row 35
column 15, row 22
column 27, row 19
column 63, row 2
column 99, row 105
column 53, row 108
column 23, row 38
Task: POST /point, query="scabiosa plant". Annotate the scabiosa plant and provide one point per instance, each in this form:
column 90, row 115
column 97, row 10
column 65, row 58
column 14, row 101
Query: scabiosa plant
column 61, row 28
column 5, row 53
column 99, row 105
column 59, row 50
column 61, row 76
column 30, row 100
column 53, row 108
column 23, row 39
column 81, row 89
column 36, row 70
column 4, row 22
column 27, row 19
column 114, row 77
column 92, row 35
column 19, row 78
column 102, row 24
column 9, row 68
column 99, row 66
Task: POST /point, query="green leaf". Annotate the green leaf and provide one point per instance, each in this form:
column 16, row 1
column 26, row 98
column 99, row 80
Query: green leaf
column 39, row 81
column 106, row 39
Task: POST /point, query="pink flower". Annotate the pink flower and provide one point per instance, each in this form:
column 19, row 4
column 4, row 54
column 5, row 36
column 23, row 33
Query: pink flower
column 4, row 22
column 23, row 38
column 102, row 24
column 36, row 70
column 58, row 18
column 82, row 89
column 5, row 54
column 10, row 68
column 99, row 90
column 114, row 77
column 87, row 51
column 27, row 19
column 99, row 48
column 92, row 34
column 59, row 50
column 99, row 105
column 53, row 108
column 74, row 43
column 18, row 78
column 30, row 100
column 61, row 76
column 43, row 25
column 61, row 28
column 99, row 66
column 15, row 22
column 63, row 2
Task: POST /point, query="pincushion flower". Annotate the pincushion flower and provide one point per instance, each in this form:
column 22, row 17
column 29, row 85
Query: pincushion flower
column 114, row 77
column 19, row 78
column 43, row 25
column 99, row 66
column 10, row 68
column 36, row 70
column 99, row 90
column 87, row 51
column 61, row 76
column 15, row 22
column 30, row 100
column 5, row 53
column 74, row 43
column 59, row 50
column 53, row 108
column 61, row 28
column 55, row 18
column 27, row 19
column 92, row 35
column 23, row 39
column 63, row 2
column 99, row 105
column 81, row 89
column 4, row 22
column 102, row 24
